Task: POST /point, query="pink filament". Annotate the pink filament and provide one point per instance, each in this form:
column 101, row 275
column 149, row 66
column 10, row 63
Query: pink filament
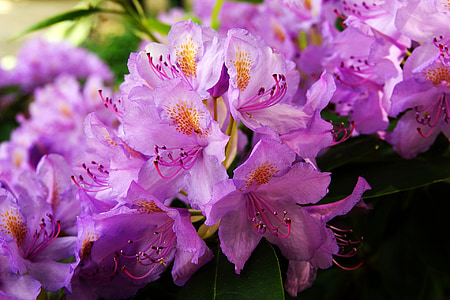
column 264, row 214
column 184, row 160
column 42, row 239
column 438, row 109
column 266, row 98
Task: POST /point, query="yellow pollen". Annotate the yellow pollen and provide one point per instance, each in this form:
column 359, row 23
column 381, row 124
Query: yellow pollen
column 12, row 224
column 242, row 64
column 438, row 76
column 186, row 55
column 148, row 207
column 186, row 119
column 262, row 174
column 446, row 3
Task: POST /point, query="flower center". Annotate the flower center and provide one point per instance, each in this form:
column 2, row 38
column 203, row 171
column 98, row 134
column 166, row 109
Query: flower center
column 13, row 224
column 186, row 119
column 264, row 216
column 148, row 207
column 186, row 54
column 262, row 174
column 438, row 75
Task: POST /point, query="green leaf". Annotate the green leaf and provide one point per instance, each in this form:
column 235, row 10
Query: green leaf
column 157, row 26
column 389, row 177
column 70, row 15
column 260, row 278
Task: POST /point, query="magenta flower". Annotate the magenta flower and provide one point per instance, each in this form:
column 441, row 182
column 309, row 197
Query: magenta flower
column 122, row 249
column 185, row 143
column 262, row 200
column 424, row 94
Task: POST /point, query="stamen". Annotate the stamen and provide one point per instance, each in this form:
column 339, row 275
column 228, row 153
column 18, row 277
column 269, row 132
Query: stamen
column 181, row 158
column 266, row 98
column 124, row 269
column 41, row 239
column 156, row 247
column 344, row 240
column 108, row 102
column 165, row 70
column 265, row 216
column 98, row 178
column 432, row 114
column 442, row 43
column 345, row 133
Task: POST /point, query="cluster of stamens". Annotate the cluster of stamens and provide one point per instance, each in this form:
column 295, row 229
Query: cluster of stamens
column 266, row 98
column 109, row 104
column 41, row 238
column 96, row 180
column 178, row 158
column 341, row 133
column 360, row 10
column 265, row 216
column 359, row 68
column 432, row 114
column 442, row 43
column 165, row 70
column 347, row 246
column 159, row 245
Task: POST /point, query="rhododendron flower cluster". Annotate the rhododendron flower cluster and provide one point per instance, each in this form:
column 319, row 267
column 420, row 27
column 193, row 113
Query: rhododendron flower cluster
column 101, row 188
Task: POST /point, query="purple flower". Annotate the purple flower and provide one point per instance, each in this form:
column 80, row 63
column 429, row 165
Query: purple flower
column 14, row 286
column 29, row 239
column 55, row 123
column 108, row 168
column 122, row 249
column 260, row 80
column 40, row 61
column 186, row 144
column 423, row 20
column 317, row 134
column 424, row 94
column 262, row 200
column 365, row 73
column 194, row 54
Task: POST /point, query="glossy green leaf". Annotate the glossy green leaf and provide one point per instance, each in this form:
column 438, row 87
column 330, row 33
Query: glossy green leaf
column 260, row 279
column 67, row 16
